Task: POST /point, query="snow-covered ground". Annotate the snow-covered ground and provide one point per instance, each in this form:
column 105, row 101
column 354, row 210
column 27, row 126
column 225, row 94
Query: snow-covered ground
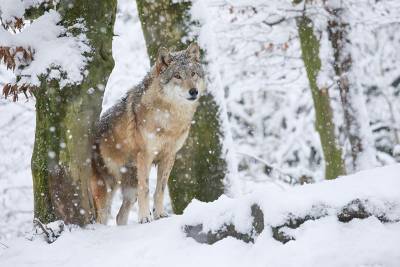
column 323, row 242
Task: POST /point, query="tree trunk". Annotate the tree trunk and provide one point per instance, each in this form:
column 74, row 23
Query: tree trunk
column 199, row 169
column 65, row 119
column 334, row 165
column 355, row 115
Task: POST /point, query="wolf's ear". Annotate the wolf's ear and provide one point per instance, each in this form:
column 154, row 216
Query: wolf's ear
column 163, row 59
column 193, row 52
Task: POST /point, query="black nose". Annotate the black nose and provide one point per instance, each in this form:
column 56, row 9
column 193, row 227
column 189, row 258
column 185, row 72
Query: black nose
column 193, row 92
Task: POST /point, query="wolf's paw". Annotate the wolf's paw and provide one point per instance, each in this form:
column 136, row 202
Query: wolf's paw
column 145, row 219
column 160, row 215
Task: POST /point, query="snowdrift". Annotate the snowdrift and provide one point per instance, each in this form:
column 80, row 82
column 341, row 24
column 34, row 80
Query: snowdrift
column 351, row 221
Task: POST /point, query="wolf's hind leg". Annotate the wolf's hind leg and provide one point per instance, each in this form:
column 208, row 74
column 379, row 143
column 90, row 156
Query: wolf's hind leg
column 102, row 199
column 129, row 195
column 129, row 192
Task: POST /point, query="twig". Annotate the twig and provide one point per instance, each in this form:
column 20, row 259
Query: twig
column 269, row 167
column 50, row 235
column 275, row 22
column 4, row 245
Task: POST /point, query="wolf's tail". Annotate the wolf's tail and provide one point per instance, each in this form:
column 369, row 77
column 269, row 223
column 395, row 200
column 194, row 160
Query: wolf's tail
column 98, row 186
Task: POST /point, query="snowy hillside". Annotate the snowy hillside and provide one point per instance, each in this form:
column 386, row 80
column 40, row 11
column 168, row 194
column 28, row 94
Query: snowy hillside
column 321, row 242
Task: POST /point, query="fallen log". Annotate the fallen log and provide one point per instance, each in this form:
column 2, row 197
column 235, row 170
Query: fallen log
column 356, row 209
column 197, row 233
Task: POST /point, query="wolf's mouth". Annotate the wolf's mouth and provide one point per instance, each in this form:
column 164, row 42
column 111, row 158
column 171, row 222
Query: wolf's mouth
column 193, row 98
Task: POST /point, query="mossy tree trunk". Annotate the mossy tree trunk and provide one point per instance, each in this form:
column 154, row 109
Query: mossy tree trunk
column 334, row 165
column 65, row 119
column 199, row 169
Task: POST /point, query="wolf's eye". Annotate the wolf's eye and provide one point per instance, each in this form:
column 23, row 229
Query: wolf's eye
column 193, row 73
column 177, row 76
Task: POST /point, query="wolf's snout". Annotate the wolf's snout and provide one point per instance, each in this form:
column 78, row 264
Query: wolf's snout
column 193, row 92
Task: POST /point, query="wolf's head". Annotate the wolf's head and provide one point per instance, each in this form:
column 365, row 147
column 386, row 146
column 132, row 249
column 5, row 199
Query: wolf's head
column 180, row 73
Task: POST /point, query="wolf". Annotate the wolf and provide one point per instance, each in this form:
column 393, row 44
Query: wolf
column 147, row 126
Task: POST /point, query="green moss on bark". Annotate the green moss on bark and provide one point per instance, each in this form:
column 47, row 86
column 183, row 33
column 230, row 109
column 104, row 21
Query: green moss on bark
column 324, row 125
column 65, row 119
column 43, row 207
column 164, row 23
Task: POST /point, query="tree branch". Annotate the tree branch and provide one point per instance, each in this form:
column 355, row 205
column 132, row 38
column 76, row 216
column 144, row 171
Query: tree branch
column 274, row 23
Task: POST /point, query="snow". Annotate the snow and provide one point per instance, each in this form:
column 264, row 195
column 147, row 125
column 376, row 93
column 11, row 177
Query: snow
column 44, row 37
column 323, row 242
column 11, row 9
column 17, row 125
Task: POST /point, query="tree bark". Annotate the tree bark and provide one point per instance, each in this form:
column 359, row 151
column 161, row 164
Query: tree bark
column 334, row 165
column 65, row 119
column 355, row 116
column 199, row 169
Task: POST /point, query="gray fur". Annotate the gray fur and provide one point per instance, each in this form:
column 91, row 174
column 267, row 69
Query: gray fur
column 106, row 121
column 183, row 64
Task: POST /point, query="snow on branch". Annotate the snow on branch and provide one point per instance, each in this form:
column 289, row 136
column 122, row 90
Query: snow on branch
column 13, row 11
column 37, row 52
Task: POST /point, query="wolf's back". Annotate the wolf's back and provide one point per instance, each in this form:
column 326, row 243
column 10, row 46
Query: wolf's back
column 104, row 127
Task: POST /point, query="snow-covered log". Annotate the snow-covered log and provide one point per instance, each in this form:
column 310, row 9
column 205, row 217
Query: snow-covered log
column 210, row 237
column 356, row 209
column 360, row 196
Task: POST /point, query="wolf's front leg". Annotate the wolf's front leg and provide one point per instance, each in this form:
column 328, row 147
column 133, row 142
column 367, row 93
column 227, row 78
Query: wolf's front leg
column 164, row 169
column 143, row 170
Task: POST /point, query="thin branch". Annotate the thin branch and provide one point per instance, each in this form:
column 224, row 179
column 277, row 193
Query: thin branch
column 4, row 245
column 50, row 235
column 269, row 167
column 275, row 22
